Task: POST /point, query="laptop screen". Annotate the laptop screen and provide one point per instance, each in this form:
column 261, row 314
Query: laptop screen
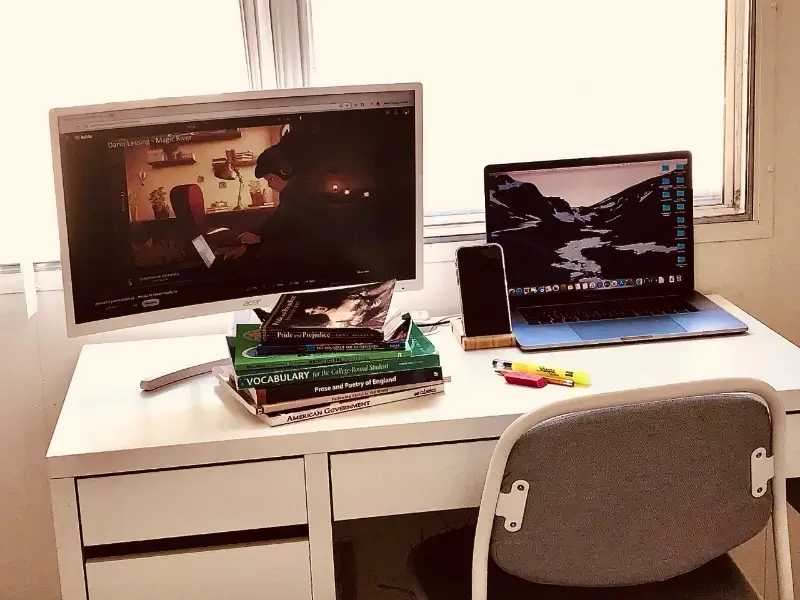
column 600, row 224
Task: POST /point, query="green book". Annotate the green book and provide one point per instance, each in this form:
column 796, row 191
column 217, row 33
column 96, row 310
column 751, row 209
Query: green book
column 423, row 356
column 246, row 358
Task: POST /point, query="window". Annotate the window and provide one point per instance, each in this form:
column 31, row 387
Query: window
column 519, row 80
column 64, row 53
column 509, row 80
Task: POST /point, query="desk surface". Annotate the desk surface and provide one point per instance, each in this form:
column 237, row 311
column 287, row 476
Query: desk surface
column 108, row 426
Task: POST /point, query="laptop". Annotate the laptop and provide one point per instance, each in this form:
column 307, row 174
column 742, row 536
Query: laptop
column 600, row 251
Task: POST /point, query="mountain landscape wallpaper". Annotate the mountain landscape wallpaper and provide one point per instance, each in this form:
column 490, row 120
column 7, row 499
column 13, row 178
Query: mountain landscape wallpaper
column 548, row 240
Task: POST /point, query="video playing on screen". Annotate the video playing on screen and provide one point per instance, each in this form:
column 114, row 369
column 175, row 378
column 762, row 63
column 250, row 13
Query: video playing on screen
column 184, row 213
column 592, row 227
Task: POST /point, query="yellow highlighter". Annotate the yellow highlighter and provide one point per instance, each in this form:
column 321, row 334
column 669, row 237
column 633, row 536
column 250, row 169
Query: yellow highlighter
column 578, row 377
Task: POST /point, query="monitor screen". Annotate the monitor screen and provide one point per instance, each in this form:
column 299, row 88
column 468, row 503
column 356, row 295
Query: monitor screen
column 592, row 227
column 185, row 205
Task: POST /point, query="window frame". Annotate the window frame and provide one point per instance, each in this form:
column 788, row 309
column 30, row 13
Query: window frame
column 285, row 25
column 745, row 205
column 736, row 202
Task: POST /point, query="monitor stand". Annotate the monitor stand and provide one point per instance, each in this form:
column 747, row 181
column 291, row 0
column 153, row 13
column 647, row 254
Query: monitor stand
column 154, row 383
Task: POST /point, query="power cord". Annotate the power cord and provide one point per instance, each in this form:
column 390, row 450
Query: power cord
column 436, row 323
column 431, row 327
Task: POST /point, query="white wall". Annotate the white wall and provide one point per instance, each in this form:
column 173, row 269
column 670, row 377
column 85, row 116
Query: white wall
column 762, row 276
column 27, row 552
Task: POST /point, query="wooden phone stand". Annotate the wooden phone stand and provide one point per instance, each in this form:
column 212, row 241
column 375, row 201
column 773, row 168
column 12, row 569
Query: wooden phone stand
column 484, row 342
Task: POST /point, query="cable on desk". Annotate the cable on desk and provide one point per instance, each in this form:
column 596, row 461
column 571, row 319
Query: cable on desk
column 433, row 327
column 436, row 323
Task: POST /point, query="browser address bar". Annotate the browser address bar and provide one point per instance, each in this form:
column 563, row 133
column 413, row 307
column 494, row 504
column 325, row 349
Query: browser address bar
column 114, row 119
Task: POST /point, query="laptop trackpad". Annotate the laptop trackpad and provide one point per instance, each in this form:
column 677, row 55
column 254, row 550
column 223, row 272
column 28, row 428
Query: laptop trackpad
column 622, row 328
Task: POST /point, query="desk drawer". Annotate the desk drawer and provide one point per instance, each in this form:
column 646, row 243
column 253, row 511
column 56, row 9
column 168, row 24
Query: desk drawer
column 182, row 502
column 409, row 480
column 270, row 570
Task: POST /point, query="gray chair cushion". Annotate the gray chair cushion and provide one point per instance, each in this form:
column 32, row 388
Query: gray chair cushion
column 635, row 494
column 442, row 567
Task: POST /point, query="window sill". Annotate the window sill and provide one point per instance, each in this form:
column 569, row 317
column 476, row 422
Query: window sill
column 720, row 223
column 733, row 230
column 712, row 224
column 11, row 280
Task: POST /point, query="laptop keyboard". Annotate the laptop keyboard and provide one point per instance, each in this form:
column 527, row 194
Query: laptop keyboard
column 598, row 311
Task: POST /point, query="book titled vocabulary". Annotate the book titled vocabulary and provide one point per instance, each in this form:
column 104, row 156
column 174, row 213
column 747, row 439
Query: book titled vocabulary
column 343, row 316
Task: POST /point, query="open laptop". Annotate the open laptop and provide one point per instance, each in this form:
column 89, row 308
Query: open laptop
column 600, row 250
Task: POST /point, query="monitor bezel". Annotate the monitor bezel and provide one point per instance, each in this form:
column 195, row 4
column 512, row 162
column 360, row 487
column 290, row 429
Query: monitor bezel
column 574, row 297
column 245, row 303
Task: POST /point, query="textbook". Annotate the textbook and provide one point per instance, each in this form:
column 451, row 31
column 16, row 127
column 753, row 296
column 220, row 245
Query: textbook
column 346, row 406
column 250, row 396
column 302, row 389
column 345, row 316
column 244, row 353
column 423, row 355
column 396, row 341
column 304, row 414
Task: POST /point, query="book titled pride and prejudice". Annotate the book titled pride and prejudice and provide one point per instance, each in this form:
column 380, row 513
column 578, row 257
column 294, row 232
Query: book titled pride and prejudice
column 345, row 320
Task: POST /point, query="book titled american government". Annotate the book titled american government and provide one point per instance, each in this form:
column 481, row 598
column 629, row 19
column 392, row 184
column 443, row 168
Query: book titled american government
column 315, row 412
column 255, row 397
column 350, row 405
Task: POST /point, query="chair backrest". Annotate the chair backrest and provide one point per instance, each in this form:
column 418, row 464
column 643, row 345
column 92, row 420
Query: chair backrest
column 636, row 493
column 189, row 208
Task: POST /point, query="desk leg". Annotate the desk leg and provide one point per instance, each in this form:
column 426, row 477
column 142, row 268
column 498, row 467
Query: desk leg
column 320, row 530
column 68, row 539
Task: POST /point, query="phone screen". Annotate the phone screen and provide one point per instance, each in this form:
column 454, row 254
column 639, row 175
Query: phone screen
column 484, row 297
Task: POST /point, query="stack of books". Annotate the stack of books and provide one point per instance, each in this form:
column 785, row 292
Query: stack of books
column 323, row 353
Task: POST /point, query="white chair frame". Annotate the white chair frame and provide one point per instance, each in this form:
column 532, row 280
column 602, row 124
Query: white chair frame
column 494, row 476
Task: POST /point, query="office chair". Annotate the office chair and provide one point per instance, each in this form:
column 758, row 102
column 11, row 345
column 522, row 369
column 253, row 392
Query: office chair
column 630, row 495
column 189, row 207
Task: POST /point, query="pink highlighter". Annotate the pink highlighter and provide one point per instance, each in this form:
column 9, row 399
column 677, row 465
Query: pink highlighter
column 525, row 379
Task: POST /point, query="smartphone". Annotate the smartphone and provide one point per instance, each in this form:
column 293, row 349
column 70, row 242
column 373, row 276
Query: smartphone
column 481, row 275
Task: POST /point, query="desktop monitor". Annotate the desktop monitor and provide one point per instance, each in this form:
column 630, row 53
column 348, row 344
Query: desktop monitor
column 190, row 206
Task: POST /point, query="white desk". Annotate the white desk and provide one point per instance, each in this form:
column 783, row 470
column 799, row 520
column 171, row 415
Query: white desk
column 186, row 462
